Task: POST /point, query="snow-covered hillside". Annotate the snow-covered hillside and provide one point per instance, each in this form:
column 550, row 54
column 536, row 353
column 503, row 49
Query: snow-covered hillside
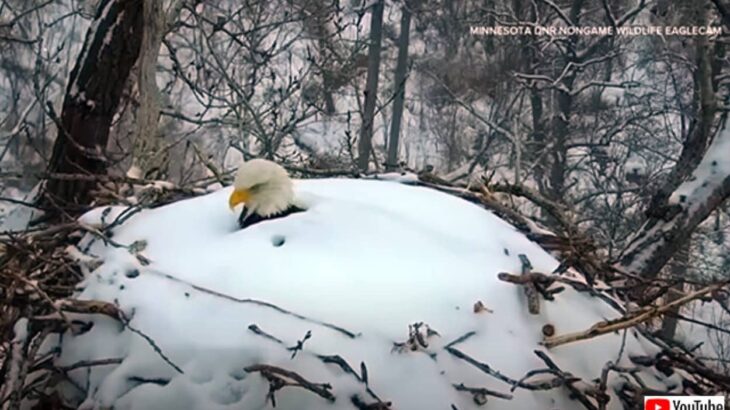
column 369, row 258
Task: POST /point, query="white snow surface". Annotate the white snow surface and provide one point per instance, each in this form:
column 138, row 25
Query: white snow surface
column 371, row 257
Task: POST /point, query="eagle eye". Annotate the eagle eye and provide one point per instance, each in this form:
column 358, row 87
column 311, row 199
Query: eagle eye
column 255, row 188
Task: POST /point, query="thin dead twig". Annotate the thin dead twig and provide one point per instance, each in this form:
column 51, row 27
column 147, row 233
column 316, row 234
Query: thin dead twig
column 339, row 329
column 568, row 381
column 543, row 385
column 360, row 404
column 279, row 378
column 479, row 394
column 91, row 363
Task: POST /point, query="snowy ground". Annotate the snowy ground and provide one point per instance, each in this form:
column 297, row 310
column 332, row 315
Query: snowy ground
column 369, row 257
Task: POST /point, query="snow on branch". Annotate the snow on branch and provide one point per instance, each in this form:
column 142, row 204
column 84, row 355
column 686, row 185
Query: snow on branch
column 688, row 206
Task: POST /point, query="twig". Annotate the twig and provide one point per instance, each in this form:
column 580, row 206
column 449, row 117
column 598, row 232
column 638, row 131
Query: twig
column 360, row 404
column 254, row 328
column 300, row 344
column 530, row 288
column 569, row 379
column 555, row 209
column 279, row 378
column 90, row 363
column 113, row 311
column 547, row 385
column 34, row 344
column 152, row 344
column 208, row 164
column 342, row 364
column 341, row 330
column 602, row 397
column 480, row 394
column 44, row 296
column 461, row 339
column 90, row 307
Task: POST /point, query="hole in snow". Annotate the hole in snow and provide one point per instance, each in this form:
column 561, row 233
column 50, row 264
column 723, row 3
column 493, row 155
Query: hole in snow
column 227, row 394
column 201, row 376
column 131, row 273
column 278, row 240
column 238, row 374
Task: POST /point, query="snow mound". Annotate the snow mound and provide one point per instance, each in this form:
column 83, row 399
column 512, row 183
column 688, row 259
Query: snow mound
column 366, row 260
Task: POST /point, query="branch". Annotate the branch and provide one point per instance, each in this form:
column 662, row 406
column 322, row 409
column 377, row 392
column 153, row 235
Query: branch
column 555, row 209
column 480, row 393
column 610, row 326
column 279, row 378
column 568, row 380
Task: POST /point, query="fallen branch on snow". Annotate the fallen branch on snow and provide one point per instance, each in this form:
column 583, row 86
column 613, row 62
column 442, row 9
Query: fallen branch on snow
column 479, row 394
column 279, row 378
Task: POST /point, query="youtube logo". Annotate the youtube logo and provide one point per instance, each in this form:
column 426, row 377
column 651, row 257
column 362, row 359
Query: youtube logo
column 684, row 403
column 657, row 404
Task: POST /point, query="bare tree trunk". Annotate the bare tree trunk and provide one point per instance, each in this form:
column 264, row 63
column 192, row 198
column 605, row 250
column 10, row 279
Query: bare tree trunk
column 147, row 156
column 559, row 137
column 94, row 89
column 678, row 270
column 400, row 84
column 695, row 144
column 674, row 212
column 365, row 144
column 690, row 204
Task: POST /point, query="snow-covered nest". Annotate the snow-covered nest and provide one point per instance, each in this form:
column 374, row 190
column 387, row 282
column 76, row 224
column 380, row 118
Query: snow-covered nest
column 368, row 259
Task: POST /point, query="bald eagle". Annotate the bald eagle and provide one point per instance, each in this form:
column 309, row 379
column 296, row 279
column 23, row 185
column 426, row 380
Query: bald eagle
column 265, row 189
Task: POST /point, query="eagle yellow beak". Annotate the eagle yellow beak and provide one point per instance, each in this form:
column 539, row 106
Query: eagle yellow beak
column 239, row 196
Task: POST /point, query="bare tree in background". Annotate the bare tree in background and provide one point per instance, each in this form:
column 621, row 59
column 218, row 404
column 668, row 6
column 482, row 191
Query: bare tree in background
column 147, row 155
column 37, row 40
column 365, row 143
column 400, row 85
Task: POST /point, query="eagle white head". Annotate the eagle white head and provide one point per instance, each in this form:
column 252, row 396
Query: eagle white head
column 263, row 186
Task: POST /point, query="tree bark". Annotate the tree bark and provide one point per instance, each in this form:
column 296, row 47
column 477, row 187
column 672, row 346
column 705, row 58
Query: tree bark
column 365, row 143
column 678, row 270
column 93, row 93
column 147, row 155
column 400, row 84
